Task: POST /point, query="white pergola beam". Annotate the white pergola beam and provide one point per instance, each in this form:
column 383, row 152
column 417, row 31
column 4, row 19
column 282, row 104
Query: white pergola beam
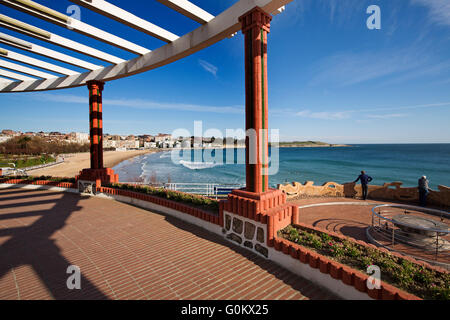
column 118, row 14
column 189, row 10
column 47, row 14
column 4, row 80
column 13, row 75
column 107, row 37
column 55, row 55
column 26, row 70
column 279, row 10
column 24, row 28
column 16, row 42
column 216, row 30
column 38, row 63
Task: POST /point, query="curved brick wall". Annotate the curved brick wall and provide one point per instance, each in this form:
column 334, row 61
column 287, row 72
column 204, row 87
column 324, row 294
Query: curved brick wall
column 388, row 191
column 68, row 185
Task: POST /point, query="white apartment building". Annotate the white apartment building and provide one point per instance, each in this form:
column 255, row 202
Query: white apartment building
column 81, row 137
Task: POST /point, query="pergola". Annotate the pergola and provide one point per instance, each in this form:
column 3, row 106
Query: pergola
column 252, row 17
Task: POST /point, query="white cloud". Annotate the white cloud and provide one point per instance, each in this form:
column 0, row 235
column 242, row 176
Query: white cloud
column 346, row 114
column 387, row 116
column 346, row 69
column 66, row 98
column 439, row 10
column 439, row 69
column 339, row 12
column 140, row 104
column 416, row 106
column 323, row 115
column 208, row 67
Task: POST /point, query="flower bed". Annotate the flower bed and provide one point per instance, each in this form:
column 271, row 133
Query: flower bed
column 414, row 278
column 186, row 198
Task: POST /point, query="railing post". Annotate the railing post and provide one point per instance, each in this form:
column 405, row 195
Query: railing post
column 437, row 244
column 393, row 236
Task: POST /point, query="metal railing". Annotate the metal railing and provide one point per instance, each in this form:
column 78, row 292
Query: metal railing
column 45, row 165
column 215, row 190
column 206, row 189
column 11, row 170
column 389, row 232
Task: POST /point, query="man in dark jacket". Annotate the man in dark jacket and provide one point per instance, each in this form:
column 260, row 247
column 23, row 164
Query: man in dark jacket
column 365, row 179
column 423, row 191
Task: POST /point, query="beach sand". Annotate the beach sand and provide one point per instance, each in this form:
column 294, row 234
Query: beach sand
column 74, row 163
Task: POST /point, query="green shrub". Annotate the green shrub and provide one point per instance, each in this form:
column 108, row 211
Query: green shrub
column 325, row 237
column 423, row 276
column 200, row 201
column 317, row 243
column 353, row 252
column 294, row 233
column 439, row 293
column 337, row 249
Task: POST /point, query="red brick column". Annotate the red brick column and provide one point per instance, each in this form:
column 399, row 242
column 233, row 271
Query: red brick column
column 255, row 27
column 96, row 123
column 257, row 201
column 97, row 172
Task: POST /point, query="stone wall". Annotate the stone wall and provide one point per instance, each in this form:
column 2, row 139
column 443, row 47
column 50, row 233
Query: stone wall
column 246, row 232
column 388, row 191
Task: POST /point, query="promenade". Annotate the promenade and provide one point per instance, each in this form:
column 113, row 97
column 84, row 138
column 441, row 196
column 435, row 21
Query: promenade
column 126, row 253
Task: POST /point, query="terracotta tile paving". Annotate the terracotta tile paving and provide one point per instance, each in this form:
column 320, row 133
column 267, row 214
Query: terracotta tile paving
column 126, row 253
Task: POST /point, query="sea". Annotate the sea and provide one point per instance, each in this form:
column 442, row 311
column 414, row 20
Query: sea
column 383, row 162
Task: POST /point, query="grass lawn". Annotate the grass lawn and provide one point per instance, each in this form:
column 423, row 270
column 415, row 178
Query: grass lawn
column 25, row 161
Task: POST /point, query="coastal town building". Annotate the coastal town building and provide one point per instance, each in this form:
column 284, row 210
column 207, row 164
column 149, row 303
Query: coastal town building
column 162, row 137
column 111, row 142
column 149, row 145
column 81, row 137
column 11, row 133
column 130, row 142
column 75, row 137
column 4, row 138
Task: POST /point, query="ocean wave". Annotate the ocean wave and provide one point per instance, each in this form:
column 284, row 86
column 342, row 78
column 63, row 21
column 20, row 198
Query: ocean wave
column 165, row 155
column 198, row 165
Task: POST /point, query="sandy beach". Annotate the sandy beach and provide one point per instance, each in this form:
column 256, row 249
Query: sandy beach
column 74, row 163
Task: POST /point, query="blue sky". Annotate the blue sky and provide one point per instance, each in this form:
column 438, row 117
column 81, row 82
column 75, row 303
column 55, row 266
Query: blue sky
column 330, row 77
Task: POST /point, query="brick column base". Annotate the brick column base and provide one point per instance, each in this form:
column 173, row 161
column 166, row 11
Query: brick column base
column 105, row 175
column 267, row 208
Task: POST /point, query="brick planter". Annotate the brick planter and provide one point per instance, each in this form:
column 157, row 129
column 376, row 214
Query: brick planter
column 68, row 185
column 338, row 271
column 184, row 208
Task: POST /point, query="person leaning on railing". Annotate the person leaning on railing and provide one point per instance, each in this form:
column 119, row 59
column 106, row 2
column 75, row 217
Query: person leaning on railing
column 423, row 191
column 365, row 179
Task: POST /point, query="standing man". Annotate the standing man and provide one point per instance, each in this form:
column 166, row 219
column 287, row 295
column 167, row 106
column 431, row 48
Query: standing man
column 423, row 191
column 365, row 179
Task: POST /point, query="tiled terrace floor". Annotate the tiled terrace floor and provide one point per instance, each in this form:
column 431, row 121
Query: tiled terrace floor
column 125, row 253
